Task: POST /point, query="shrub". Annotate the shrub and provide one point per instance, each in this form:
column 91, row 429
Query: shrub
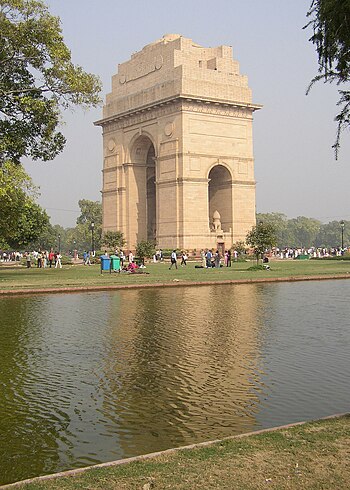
column 256, row 268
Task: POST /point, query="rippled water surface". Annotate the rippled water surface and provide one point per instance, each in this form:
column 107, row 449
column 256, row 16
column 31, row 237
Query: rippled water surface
column 94, row 377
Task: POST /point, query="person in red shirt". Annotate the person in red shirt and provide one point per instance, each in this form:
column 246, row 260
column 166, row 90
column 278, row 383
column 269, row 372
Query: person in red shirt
column 51, row 257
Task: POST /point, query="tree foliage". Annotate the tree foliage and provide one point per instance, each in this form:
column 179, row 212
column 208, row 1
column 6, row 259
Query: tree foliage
column 90, row 212
column 330, row 234
column 37, row 81
column 22, row 220
column 145, row 249
column 33, row 222
column 305, row 232
column 261, row 237
column 330, row 21
column 240, row 247
column 113, row 240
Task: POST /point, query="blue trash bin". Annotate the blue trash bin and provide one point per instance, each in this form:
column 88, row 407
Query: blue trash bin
column 105, row 263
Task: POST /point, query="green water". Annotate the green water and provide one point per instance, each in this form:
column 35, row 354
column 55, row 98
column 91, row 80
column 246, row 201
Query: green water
column 94, row 377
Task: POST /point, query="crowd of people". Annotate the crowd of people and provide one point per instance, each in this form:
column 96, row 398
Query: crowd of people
column 39, row 259
column 44, row 258
column 11, row 256
column 209, row 258
column 293, row 253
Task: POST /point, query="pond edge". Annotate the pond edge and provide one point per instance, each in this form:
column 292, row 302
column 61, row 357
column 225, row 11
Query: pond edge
column 177, row 283
column 144, row 457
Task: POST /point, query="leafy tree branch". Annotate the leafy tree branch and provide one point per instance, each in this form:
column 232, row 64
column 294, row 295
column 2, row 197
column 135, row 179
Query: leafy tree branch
column 330, row 22
column 37, row 81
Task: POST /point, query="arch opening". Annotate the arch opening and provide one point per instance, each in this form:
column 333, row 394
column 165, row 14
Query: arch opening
column 142, row 179
column 220, row 197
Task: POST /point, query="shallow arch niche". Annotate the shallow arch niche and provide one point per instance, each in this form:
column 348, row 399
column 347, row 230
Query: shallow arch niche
column 220, row 196
column 143, row 181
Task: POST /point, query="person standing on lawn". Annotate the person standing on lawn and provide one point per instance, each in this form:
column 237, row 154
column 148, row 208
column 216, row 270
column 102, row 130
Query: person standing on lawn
column 173, row 259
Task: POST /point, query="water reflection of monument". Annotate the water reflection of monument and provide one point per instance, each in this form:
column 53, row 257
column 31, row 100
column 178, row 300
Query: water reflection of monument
column 183, row 366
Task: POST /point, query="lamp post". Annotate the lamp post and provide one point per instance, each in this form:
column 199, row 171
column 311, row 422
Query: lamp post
column 92, row 239
column 342, row 225
column 59, row 243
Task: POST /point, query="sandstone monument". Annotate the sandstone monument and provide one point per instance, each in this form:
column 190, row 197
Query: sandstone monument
column 178, row 147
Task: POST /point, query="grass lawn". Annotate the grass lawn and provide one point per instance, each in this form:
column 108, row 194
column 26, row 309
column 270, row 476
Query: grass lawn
column 18, row 277
column 315, row 455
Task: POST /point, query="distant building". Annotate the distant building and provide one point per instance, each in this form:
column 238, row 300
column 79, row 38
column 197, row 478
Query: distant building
column 178, row 147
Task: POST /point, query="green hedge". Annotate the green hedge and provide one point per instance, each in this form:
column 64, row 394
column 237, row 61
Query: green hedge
column 333, row 257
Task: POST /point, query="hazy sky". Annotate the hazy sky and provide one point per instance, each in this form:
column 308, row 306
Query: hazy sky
column 293, row 133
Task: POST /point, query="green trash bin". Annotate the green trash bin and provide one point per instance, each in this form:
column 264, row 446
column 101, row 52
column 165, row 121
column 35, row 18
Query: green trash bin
column 115, row 263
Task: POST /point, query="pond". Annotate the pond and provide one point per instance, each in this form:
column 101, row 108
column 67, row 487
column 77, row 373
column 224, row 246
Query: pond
column 94, row 377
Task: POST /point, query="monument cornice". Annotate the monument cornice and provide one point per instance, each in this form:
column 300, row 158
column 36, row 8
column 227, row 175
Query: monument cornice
column 109, row 191
column 243, row 182
column 177, row 103
column 218, row 161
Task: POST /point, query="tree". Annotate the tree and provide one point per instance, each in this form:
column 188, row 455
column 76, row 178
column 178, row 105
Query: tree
column 15, row 184
column 303, row 231
column 113, row 239
column 145, row 249
column 21, row 219
column 32, row 222
column 329, row 20
column 37, row 81
column 48, row 238
column 280, row 223
column 330, row 234
column 90, row 212
column 240, row 247
column 261, row 237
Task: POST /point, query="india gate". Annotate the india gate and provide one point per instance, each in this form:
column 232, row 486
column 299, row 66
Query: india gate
column 178, row 165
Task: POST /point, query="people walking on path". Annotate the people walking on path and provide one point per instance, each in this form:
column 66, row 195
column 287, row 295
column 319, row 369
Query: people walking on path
column 51, row 257
column 204, row 260
column 173, row 259
column 183, row 259
column 87, row 260
column 208, row 257
column 58, row 260
column 217, row 259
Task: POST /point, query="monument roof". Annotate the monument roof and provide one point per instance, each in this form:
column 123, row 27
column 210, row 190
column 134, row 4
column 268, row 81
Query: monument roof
column 172, row 67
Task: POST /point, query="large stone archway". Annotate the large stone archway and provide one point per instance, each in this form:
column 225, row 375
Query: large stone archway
column 177, row 132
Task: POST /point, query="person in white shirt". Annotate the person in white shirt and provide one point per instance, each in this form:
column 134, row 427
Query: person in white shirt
column 58, row 260
column 173, row 259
